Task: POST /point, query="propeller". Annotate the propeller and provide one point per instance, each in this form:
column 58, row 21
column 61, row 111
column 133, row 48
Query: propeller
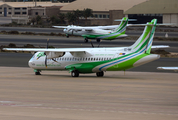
column 46, row 55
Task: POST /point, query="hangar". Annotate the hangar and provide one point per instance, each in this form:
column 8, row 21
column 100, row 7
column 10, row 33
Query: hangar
column 166, row 11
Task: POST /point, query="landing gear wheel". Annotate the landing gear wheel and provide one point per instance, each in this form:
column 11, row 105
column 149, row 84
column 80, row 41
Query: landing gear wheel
column 75, row 73
column 98, row 40
column 100, row 74
column 37, row 73
column 67, row 35
column 86, row 40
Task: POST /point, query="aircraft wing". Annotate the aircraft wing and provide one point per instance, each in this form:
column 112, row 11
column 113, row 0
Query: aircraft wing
column 164, row 24
column 168, row 68
column 60, row 27
column 75, row 28
column 160, row 47
column 54, row 51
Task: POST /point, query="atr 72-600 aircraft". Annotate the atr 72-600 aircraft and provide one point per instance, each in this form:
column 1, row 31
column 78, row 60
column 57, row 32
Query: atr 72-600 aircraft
column 99, row 32
column 95, row 60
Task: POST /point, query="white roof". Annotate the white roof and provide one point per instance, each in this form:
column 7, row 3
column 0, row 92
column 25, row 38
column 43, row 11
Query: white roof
column 102, row 5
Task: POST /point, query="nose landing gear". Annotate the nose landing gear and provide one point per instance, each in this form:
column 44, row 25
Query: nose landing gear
column 75, row 73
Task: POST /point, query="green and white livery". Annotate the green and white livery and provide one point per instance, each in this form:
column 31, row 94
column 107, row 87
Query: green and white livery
column 95, row 60
column 118, row 32
column 109, row 32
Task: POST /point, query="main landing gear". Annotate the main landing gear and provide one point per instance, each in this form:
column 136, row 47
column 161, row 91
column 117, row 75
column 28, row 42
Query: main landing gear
column 75, row 73
column 98, row 40
column 86, row 40
column 100, row 74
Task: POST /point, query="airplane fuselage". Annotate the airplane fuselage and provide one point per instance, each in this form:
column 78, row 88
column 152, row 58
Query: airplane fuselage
column 95, row 34
column 101, row 59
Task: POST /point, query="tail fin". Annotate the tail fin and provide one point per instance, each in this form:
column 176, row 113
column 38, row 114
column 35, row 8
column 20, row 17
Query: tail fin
column 122, row 26
column 144, row 42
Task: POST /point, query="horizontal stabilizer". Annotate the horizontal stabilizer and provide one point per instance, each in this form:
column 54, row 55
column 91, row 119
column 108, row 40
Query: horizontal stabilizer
column 168, row 68
column 126, row 20
column 160, row 47
column 165, row 24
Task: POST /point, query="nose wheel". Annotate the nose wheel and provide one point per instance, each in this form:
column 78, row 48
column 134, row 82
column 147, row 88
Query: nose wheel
column 75, row 73
column 86, row 40
column 37, row 73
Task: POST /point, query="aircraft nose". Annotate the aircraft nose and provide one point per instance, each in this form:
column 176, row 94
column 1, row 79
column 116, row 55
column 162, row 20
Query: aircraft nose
column 31, row 62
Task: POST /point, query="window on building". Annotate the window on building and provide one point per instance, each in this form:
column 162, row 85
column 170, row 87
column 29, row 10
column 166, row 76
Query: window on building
column 104, row 16
column 17, row 13
column 24, row 8
column 9, row 13
column 107, row 16
column 24, row 13
column 0, row 8
column 17, row 8
column 0, row 12
column 10, row 8
column 96, row 16
column 36, row 13
column 100, row 16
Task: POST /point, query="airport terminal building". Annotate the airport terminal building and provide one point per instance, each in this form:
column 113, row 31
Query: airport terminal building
column 104, row 11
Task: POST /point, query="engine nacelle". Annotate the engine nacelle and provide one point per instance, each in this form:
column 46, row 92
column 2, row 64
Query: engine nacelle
column 51, row 55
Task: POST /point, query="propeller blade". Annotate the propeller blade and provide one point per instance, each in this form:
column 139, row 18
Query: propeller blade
column 54, row 60
column 46, row 61
column 45, row 53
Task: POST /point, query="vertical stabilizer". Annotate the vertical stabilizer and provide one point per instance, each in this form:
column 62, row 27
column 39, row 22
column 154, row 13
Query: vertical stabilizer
column 144, row 42
column 122, row 26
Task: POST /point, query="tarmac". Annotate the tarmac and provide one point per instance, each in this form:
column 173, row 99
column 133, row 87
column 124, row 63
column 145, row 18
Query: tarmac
column 116, row 96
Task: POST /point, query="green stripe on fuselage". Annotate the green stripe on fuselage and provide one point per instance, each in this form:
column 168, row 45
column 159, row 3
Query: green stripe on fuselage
column 127, row 64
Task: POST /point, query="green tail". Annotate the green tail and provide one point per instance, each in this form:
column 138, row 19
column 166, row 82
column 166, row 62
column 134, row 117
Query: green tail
column 122, row 26
column 144, row 42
